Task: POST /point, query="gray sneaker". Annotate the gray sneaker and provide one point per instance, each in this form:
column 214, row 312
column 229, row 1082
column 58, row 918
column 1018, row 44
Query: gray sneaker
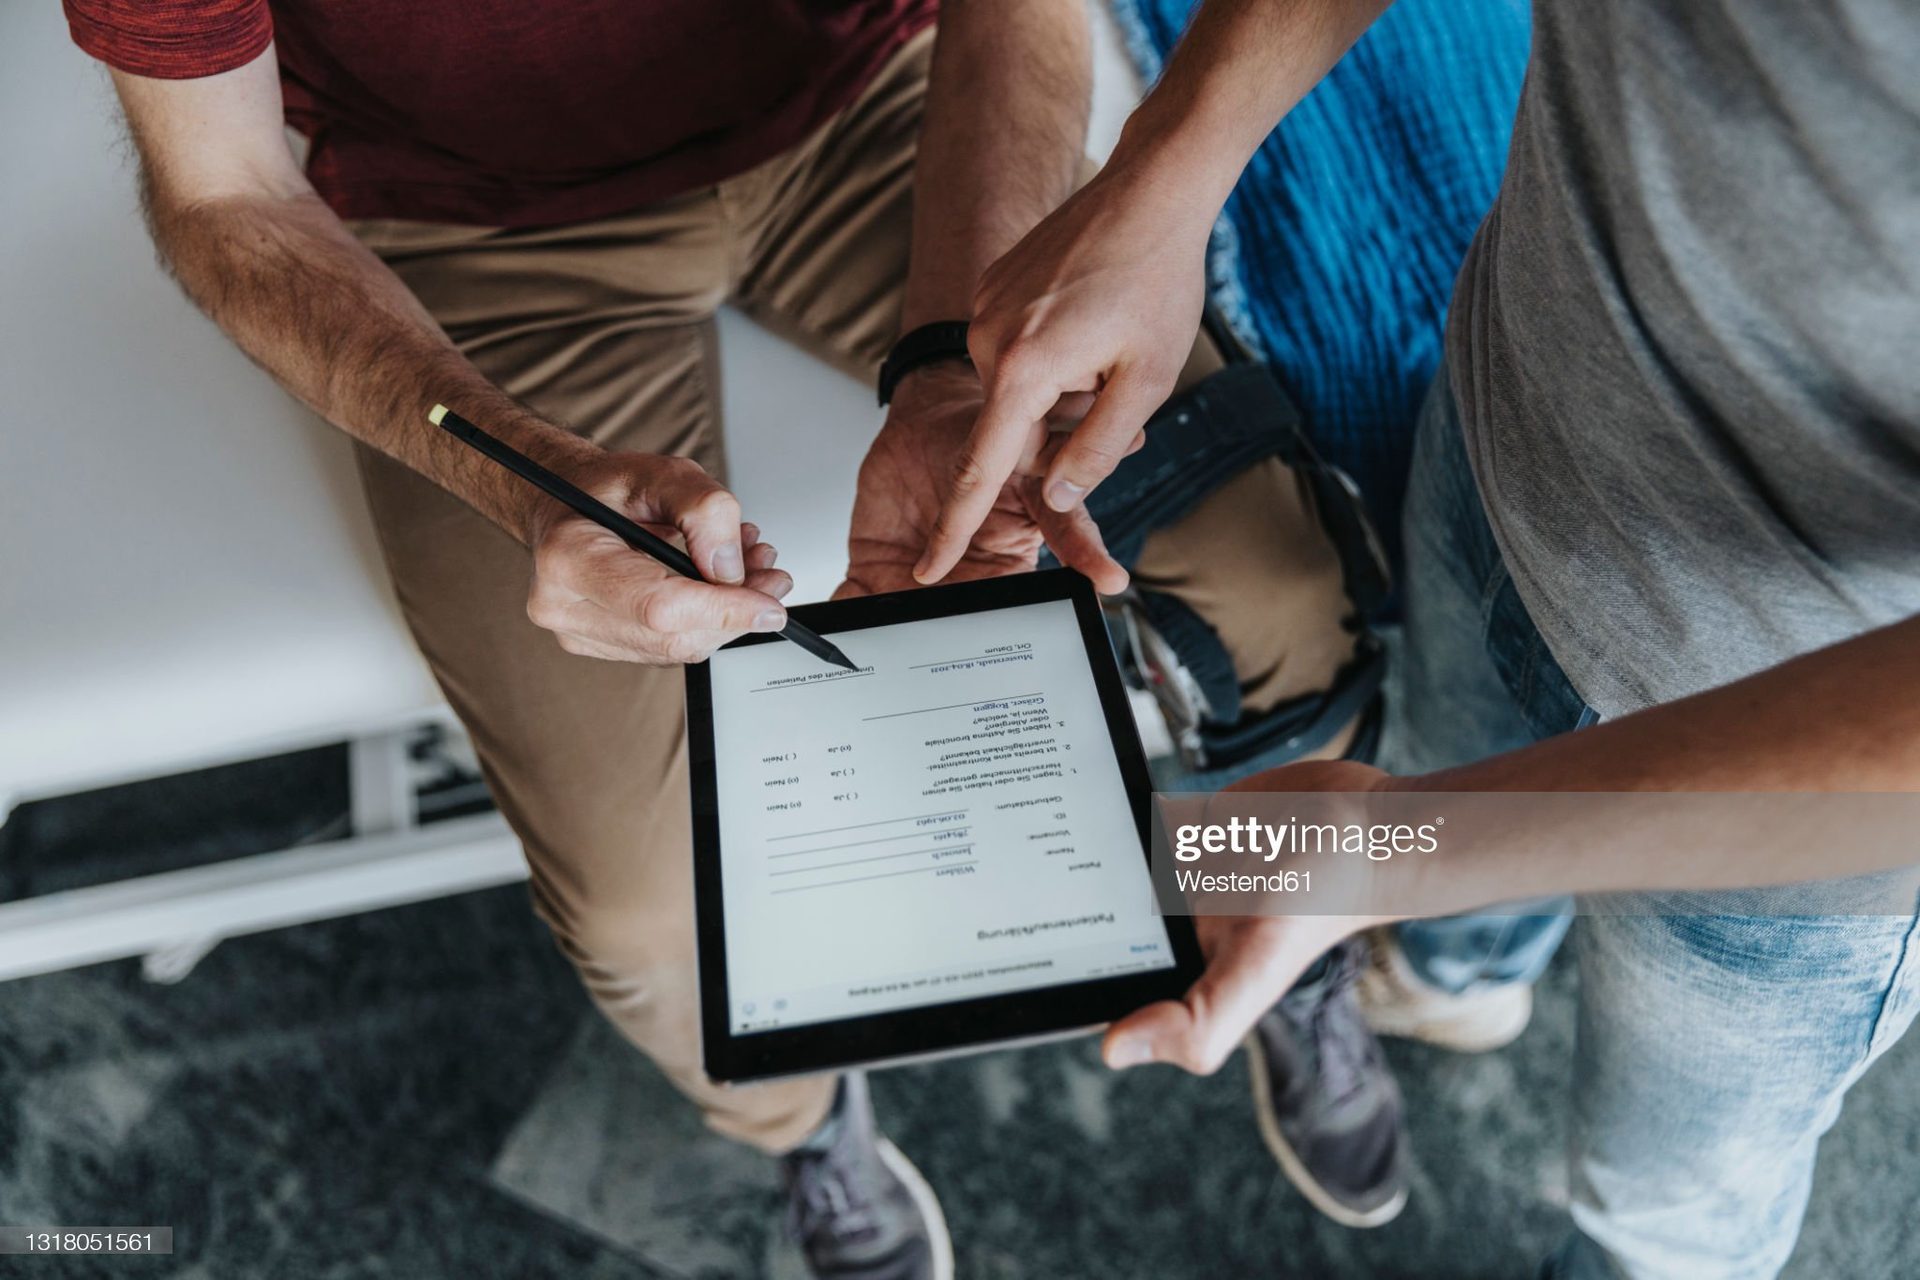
column 1326, row 1102
column 857, row 1207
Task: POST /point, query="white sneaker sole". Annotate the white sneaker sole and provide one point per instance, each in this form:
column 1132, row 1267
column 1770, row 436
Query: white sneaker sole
column 927, row 1202
column 1398, row 1002
column 1290, row 1163
column 1494, row 1025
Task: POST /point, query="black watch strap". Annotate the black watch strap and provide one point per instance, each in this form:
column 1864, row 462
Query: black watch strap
column 930, row 343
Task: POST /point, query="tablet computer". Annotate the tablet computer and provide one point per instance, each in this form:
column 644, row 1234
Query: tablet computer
column 942, row 851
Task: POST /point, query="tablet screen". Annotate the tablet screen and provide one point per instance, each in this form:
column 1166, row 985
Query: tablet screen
column 947, row 823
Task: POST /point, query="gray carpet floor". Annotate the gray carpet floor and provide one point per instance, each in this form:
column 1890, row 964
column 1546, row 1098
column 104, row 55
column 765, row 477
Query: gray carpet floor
column 424, row 1092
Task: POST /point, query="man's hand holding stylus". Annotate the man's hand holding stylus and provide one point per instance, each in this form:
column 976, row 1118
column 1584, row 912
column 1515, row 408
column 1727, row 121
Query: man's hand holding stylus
column 235, row 219
column 603, row 599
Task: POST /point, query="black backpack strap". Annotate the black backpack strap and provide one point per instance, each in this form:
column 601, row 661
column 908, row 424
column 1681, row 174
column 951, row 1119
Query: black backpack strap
column 1198, row 440
column 1210, row 433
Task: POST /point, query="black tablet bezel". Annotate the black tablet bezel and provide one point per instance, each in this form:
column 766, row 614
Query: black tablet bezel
column 931, row 1029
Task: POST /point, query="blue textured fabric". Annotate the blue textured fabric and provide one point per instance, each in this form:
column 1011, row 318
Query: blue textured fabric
column 1336, row 254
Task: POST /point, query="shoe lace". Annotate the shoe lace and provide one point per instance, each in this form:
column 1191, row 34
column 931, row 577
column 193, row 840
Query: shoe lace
column 826, row 1199
column 1341, row 1055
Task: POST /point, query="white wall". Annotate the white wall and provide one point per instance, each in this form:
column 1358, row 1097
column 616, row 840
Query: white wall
column 182, row 565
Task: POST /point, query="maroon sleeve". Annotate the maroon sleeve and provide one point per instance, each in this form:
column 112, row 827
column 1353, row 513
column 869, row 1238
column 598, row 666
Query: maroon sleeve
column 171, row 39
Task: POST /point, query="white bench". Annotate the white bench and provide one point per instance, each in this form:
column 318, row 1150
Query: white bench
column 186, row 574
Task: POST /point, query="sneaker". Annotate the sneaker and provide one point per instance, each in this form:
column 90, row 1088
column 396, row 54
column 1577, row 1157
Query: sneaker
column 1326, row 1102
column 1399, row 1002
column 857, row 1207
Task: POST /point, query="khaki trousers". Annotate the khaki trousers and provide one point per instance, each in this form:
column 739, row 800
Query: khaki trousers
column 608, row 327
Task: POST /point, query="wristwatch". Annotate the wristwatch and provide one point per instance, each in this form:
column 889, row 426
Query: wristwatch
column 929, row 344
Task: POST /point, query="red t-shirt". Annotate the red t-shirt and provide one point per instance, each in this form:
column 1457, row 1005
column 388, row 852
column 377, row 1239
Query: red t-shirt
column 522, row 112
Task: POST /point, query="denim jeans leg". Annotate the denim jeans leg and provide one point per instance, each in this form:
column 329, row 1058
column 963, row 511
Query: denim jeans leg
column 1448, row 702
column 1718, row 1035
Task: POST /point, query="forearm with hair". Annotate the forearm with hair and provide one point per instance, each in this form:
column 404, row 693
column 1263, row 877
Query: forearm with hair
column 326, row 318
column 1003, row 137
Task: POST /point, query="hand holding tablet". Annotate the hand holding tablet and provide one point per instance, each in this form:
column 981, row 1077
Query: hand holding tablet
column 940, row 851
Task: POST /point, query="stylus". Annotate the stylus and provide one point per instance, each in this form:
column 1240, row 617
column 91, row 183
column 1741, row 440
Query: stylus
column 612, row 521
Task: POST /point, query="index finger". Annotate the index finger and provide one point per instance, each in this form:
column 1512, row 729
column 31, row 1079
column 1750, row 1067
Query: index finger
column 1014, row 410
column 680, row 492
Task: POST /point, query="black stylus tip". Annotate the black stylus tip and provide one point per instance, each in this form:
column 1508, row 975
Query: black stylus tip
column 817, row 645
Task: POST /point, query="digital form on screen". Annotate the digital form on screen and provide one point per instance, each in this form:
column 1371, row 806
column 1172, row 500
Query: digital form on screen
column 949, row 822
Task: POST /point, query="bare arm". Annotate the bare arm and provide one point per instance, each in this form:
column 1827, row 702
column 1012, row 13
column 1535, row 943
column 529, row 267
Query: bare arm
column 1001, row 145
column 238, row 225
column 1002, row 139
column 252, row 244
column 1842, row 719
column 1103, row 297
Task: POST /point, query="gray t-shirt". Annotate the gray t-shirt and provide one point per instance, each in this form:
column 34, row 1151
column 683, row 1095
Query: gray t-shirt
column 1686, row 341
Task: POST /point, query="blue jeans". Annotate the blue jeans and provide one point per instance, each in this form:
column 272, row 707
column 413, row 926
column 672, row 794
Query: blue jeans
column 1718, row 1033
column 1472, row 678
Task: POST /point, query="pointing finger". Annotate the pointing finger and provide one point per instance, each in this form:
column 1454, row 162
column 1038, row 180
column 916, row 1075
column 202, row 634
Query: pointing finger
column 1013, row 413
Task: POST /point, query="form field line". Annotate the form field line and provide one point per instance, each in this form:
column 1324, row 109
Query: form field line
column 855, row 844
column 887, row 822
column 811, row 684
column 884, row 875
column 879, row 857
column 977, row 702
column 978, row 657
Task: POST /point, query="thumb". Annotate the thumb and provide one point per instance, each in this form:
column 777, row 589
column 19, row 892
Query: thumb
column 1250, row 970
column 1136, row 1039
column 1105, row 436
